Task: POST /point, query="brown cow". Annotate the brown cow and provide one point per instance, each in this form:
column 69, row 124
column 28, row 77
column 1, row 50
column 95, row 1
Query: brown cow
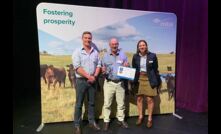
column 71, row 75
column 54, row 75
column 43, row 69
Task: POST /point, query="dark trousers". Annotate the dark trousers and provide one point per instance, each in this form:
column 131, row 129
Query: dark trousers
column 83, row 88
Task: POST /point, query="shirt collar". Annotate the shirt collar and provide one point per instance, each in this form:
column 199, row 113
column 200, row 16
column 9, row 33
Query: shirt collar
column 142, row 55
column 83, row 50
column 118, row 52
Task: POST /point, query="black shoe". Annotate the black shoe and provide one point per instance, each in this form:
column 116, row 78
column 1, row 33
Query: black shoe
column 77, row 130
column 123, row 124
column 106, row 126
column 94, row 126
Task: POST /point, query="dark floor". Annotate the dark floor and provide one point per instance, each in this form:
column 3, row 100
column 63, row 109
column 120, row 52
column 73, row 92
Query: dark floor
column 27, row 118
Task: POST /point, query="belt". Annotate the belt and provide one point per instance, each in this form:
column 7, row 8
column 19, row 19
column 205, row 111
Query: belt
column 81, row 78
column 115, row 81
column 143, row 73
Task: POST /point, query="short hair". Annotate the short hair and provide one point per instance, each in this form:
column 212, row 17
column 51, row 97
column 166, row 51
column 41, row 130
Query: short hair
column 112, row 39
column 86, row 32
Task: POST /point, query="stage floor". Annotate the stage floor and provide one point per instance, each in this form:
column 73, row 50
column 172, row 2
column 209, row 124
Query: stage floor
column 27, row 118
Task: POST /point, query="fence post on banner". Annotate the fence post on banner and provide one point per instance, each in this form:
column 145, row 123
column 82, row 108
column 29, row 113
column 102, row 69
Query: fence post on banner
column 40, row 127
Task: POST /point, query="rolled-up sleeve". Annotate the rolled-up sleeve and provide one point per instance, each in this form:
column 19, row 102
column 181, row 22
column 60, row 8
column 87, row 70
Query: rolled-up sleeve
column 76, row 59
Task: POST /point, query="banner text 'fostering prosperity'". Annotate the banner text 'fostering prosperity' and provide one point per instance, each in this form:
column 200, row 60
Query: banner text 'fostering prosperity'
column 58, row 21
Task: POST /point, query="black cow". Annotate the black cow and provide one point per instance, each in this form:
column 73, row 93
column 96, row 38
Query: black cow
column 71, row 75
column 43, row 69
column 54, row 75
column 170, row 80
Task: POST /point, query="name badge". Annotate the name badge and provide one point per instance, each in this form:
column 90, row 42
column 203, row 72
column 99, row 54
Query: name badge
column 119, row 61
column 150, row 61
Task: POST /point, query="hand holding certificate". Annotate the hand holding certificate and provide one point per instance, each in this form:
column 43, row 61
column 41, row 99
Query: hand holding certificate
column 126, row 72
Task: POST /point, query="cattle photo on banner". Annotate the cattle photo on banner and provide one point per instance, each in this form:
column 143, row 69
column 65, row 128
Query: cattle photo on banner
column 60, row 29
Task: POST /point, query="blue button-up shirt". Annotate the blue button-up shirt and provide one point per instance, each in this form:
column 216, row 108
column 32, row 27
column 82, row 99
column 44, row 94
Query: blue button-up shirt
column 112, row 62
column 88, row 61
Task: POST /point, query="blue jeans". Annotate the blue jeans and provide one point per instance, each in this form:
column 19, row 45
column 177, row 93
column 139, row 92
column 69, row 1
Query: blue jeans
column 83, row 88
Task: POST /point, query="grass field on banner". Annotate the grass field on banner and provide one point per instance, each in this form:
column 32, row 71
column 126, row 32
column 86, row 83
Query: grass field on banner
column 58, row 104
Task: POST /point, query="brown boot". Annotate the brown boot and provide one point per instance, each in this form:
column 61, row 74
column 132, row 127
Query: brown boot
column 139, row 121
column 95, row 126
column 77, row 130
column 149, row 123
column 123, row 124
column 106, row 126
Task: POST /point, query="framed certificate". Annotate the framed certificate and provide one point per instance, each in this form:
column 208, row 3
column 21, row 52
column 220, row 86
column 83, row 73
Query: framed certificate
column 126, row 72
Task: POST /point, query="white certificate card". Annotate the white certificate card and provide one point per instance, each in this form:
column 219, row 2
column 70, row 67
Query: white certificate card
column 126, row 72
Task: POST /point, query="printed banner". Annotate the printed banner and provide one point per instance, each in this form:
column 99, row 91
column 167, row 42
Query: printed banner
column 60, row 28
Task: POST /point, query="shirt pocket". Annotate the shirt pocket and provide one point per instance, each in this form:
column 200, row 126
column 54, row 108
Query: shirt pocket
column 119, row 61
column 108, row 63
column 108, row 66
column 95, row 61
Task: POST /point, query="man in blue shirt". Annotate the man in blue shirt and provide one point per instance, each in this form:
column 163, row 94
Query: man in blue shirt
column 113, row 85
column 87, row 67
